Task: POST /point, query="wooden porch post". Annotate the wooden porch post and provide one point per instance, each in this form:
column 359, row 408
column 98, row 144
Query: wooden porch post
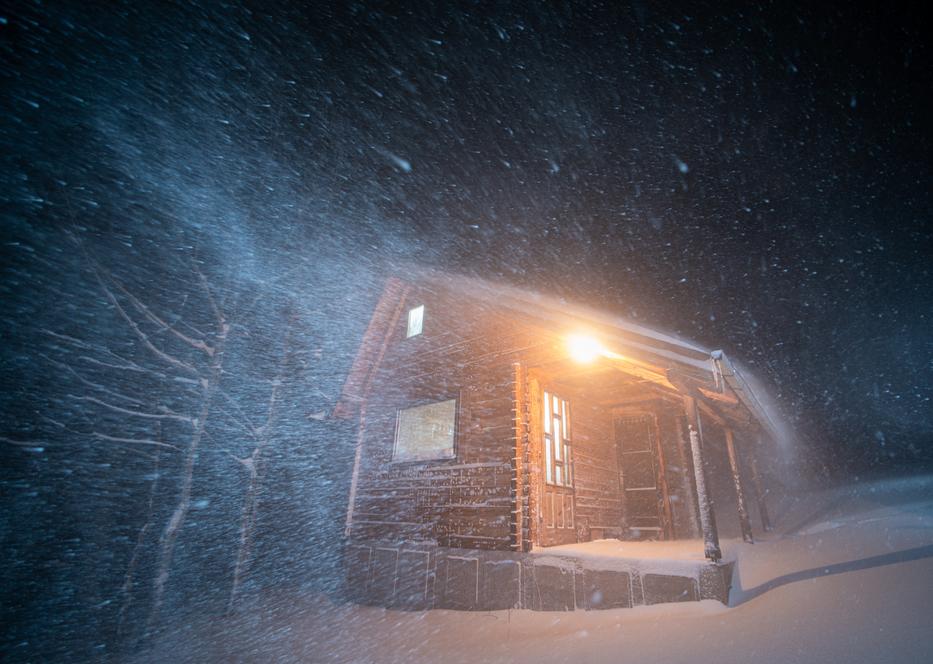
column 707, row 516
column 739, row 490
column 689, row 494
column 668, row 525
column 759, row 490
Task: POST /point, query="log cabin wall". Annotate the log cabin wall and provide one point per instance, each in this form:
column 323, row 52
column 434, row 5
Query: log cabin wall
column 596, row 477
column 465, row 351
column 468, row 350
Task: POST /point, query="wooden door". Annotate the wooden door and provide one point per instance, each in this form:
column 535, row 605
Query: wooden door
column 640, row 474
column 557, row 511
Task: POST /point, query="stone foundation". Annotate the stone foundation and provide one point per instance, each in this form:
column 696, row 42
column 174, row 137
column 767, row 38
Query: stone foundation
column 412, row 576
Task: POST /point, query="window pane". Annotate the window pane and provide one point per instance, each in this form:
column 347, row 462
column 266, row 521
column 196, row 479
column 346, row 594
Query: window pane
column 415, row 321
column 547, row 459
column 547, row 413
column 563, row 418
column 426, row 432
column 557, row 445
column 557, row 475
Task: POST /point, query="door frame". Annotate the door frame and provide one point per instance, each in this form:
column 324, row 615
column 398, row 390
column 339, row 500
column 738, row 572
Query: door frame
column 541, row 536
column 665, row 510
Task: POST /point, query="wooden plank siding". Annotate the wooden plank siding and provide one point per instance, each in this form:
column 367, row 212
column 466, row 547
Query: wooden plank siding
column 466, row 351
column 488, row 496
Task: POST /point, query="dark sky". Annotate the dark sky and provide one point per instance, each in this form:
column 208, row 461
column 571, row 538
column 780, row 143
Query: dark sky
column 756, row 178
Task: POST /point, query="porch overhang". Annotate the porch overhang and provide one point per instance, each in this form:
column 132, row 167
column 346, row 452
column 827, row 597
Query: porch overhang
column 626, row 370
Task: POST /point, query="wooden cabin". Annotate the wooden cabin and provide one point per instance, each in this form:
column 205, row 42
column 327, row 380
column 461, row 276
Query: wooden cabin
column 493, row 422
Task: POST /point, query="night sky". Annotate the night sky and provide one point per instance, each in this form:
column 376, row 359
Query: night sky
column 755, row 178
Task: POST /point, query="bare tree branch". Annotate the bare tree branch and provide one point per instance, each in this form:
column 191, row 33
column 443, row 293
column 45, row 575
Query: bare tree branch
column 243, row 418
column 250, row 431
column 188, row 325
column 254, row 466
column 65, row 337
column 127, row 588
column 176, row 520
column 221, row 321
column 245, row 462
column 148, row 313
column 175, row 362
column 133, row 441
column 125, row 364
column 134, row 326
column 88, row 382
column 167, row 415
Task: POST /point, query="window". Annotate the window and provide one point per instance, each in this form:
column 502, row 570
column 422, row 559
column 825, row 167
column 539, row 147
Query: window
column 558, row 462
column 415, row 321
column 426, row 432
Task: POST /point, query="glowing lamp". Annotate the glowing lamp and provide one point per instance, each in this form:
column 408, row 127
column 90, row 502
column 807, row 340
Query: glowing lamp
column 583, row 349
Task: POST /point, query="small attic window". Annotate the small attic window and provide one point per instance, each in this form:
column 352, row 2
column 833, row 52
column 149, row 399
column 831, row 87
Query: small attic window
column 415, row 321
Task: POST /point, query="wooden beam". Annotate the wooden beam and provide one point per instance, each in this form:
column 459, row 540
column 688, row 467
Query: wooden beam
column 634, row 369
column 690, row 503
column 713, row 414
column 711, row 546
column 723, row 418
column 720, row 397
column 668, row 525
column 759, row 489
column 739, row 491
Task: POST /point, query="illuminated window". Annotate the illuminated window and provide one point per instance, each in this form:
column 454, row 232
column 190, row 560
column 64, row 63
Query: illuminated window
column 558, row 462
column 426, row 432
column 415, row 321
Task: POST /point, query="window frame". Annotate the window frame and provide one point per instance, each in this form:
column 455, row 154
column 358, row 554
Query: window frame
column 551, row 461
column 408, row 319
column 455, row 443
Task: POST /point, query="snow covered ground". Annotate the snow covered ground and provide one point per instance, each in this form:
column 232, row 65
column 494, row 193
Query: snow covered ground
column 677, row 557
column 847, row 576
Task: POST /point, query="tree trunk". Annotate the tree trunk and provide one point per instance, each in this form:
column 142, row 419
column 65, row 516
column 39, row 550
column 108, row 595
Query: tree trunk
column 255, row 464
column 177, row 520
column 128, row 580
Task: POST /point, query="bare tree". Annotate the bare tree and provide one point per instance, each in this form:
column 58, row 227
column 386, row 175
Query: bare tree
column 254, row 464
column 129, row 578
column 208, row 381
column 185, row 365
column 202, row 374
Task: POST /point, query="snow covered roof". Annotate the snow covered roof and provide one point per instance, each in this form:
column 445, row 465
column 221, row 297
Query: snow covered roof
column 711, row 375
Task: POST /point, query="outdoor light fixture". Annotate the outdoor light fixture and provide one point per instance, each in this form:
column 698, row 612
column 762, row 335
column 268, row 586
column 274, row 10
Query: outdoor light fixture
column 584, row 349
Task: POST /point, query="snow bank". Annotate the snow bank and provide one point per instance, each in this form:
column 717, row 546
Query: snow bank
column 673, row 558
column 846, row 577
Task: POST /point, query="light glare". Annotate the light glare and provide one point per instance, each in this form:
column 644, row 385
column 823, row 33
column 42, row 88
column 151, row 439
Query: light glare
column 583, row 349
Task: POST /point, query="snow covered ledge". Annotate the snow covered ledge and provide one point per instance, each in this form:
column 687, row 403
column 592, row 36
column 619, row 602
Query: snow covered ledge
column 604, row 574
